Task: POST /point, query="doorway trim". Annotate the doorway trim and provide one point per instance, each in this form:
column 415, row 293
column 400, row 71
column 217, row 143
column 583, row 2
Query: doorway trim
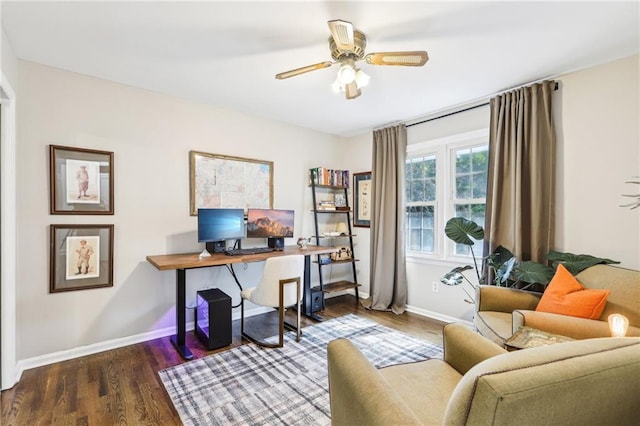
column 8, row 245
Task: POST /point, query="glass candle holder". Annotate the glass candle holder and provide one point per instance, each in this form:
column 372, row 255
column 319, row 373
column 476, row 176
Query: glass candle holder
column 618, row 325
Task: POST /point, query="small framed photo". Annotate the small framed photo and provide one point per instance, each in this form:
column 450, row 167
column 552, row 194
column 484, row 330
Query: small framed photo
column 80, row 181
column 362, row 199
column 81, row 257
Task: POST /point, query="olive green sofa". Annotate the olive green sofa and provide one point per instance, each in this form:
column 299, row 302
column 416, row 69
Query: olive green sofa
column 583, row 382
column 500, row 311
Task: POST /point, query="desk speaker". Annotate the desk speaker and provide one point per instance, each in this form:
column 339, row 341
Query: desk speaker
column 317, row 297
column 213, row 318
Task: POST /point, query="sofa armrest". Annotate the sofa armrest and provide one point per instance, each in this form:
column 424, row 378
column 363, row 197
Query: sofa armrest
column 358, row 393
column 565, row 325
column 464, row 348
column 503, row 299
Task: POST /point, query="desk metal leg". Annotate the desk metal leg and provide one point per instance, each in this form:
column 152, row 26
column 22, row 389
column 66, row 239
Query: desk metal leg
column 181, row 316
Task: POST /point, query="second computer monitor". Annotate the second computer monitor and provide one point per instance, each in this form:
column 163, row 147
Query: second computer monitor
column 275, row 225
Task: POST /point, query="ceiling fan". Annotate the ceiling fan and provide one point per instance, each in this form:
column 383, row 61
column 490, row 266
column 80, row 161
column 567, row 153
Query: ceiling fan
column 347, row 46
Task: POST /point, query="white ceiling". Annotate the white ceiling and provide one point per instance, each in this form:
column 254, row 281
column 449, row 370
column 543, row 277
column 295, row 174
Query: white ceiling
column 227, row 53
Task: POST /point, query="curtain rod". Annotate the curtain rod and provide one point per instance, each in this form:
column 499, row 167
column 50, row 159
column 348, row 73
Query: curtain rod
column 466, row 109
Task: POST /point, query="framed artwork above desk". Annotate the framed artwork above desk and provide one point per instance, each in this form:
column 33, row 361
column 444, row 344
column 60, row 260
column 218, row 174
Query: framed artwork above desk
column 221, row 181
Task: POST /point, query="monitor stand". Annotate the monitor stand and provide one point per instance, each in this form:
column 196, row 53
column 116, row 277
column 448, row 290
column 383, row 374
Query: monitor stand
column 276, row 243
column 216, row 246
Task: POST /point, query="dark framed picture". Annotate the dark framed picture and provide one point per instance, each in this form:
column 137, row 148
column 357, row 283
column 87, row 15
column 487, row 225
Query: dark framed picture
column 80, row 181
column 81, row 257
column 362, row 199
column 229, row 182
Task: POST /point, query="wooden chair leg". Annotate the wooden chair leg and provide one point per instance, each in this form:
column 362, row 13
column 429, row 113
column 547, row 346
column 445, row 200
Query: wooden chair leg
column 281, row 322
column 297, row 328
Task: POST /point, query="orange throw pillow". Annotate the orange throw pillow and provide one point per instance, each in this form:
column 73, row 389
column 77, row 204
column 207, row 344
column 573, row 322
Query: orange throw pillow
column 566, row 296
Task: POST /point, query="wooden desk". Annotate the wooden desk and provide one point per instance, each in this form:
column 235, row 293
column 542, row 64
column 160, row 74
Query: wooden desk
column 182, row 262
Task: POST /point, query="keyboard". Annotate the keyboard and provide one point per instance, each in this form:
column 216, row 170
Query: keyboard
column 246, row 251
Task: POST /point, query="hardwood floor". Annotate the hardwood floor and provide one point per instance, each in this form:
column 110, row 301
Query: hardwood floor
column 121, row 386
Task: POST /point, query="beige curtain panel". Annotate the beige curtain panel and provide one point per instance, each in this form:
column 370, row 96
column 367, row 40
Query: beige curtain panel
column 388, row 284
column 520, row 211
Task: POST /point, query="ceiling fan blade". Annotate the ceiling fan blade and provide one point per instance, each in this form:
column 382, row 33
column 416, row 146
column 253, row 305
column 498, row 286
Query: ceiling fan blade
column 352, row 91
column 410, row 59
column 342, row 33
column 303, row 70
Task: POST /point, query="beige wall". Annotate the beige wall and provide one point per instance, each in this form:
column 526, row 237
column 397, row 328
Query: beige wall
column 356, row 155
column 598, row 116
column 151, row 136
column 8, row 61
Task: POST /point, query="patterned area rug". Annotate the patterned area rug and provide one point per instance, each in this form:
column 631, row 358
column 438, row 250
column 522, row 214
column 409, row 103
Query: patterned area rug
column 257, row 386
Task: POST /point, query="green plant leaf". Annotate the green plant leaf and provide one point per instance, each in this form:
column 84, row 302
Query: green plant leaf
column 503, row 273
column 459, row 230
column 454, row 277
column 576, row 262
column 499, row 256
column 532, row 272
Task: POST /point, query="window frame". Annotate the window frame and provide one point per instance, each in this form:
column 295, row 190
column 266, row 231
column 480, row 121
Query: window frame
column 433, row 203
column 444, row 150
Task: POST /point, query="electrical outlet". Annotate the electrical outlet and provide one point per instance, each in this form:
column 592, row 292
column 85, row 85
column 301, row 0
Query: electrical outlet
column 435, row 286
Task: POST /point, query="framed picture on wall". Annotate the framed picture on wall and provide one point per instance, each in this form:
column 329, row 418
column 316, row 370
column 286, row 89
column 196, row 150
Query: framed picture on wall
column 221, row 181
column 362, row 199
column 80, row 181
column 81, row 257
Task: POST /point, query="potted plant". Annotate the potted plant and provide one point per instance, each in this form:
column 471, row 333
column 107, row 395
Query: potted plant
column 502, row 268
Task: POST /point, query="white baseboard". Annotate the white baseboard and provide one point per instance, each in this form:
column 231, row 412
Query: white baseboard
column 38, row 361
column 60, row 356
column 437, row 316
column 423, row 312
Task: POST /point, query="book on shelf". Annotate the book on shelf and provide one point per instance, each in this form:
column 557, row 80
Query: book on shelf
column 326, row 205
column 329, row 177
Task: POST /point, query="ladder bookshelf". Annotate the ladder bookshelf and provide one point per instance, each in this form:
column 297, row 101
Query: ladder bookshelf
column 335, row 186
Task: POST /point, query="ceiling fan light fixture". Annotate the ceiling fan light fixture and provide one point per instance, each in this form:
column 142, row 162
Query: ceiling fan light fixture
column 347, row 46
column 346, row 74
column 362, row 79
column 337, row 87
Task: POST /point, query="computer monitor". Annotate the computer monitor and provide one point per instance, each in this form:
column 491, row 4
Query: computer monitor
column 275, row 225
column 215, row 226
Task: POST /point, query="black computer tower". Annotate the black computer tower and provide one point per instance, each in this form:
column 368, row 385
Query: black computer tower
column 213, row 318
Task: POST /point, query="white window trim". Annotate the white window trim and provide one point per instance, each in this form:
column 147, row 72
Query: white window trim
column 442, row 148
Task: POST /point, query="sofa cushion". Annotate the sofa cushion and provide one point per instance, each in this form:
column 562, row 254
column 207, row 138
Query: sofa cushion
column 408, row 381
column 566, row 296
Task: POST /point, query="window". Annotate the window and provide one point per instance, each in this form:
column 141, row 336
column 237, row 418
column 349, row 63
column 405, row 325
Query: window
column 470, row 183
column 444, row 178
column 421, row 203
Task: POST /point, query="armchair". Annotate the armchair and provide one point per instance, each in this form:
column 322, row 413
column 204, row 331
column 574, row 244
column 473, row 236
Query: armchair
column 501, row 311
column 584, row 382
